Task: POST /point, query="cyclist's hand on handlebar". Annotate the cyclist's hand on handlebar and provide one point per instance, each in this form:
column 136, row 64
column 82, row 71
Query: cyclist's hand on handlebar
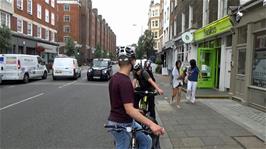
column 157, row 130
column 160, row 91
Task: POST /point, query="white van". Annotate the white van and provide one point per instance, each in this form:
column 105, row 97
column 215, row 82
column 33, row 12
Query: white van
column 66, row 67
column 22, row 67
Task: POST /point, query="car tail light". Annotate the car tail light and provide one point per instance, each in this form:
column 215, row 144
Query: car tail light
column 18, row 65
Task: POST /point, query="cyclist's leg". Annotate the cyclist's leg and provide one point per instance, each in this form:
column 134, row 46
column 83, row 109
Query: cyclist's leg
column 151, row 108
column 144, row 141
column 122, row 138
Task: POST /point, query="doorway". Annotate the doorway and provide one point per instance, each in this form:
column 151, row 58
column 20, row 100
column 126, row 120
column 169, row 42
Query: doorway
column 228, row 67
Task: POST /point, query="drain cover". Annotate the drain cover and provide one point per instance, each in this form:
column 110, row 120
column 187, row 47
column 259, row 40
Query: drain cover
column 250, row 142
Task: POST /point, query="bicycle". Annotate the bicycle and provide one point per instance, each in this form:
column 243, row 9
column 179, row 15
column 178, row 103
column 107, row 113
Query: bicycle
column 133, row 131
column 143, row 106
column 143, row 101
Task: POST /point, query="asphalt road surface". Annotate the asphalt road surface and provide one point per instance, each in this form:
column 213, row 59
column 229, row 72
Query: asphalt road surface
column 51, row 114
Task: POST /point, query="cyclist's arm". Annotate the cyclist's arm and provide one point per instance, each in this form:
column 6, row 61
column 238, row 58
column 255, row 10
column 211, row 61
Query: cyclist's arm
column 135, row 114
column 155, row 85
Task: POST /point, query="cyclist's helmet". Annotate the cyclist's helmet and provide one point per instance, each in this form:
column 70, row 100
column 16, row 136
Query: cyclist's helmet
column 137, row 67
column 148, row 63
column 123, row 53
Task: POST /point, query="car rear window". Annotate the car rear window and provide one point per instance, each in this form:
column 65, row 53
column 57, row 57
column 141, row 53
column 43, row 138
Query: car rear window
column 63, row 62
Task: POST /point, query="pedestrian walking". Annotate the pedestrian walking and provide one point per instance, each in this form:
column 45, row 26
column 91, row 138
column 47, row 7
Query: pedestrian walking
column 177, row 83
column 192, row 74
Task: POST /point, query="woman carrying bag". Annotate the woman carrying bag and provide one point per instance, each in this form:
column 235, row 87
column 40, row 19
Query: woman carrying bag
column 177, row 83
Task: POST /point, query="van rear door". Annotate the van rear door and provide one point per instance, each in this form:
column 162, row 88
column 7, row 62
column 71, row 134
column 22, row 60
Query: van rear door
column 9, row 66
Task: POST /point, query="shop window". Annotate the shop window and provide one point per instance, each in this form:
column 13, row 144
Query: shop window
column 242, row 35
column 241, row 61
column 259, row 60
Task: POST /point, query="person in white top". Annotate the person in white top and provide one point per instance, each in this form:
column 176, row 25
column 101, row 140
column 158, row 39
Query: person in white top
column 177, row 83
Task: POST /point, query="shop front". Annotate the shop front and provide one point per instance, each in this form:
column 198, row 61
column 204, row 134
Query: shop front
column 214, row 54
column 249, row 57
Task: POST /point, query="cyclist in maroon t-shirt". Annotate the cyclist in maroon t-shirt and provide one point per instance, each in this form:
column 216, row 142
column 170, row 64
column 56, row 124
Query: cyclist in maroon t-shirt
column 122, row 111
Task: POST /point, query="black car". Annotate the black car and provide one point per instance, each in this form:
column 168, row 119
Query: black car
column 101, row 69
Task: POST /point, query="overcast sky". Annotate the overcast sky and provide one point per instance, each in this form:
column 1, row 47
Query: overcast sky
column 121, row 16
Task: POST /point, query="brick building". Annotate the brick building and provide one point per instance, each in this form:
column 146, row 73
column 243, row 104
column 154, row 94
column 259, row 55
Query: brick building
column 33, row 25
column 68, row 22
column 82, row 23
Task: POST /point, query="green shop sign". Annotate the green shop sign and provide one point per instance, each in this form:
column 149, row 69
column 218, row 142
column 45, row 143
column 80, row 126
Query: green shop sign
column 215, row 28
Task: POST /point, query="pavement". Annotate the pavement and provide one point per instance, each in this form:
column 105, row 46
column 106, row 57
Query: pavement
column 208, row 124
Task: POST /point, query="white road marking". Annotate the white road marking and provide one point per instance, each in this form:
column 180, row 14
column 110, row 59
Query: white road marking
column 11, row 105
column 67, row 84
column 11, row 86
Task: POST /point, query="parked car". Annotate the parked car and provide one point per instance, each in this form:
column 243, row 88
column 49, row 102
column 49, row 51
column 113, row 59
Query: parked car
column 66, row 67
column 22, row 67
column 100, row 69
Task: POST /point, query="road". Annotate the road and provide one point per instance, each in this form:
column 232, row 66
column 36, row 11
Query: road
column 55, row 114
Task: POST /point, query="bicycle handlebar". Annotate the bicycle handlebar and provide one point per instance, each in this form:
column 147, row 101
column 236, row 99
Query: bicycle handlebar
column 128, row 129
column 147, row 93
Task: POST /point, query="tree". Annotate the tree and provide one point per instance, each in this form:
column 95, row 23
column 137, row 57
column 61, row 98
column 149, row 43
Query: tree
column 70, row 47
column 145, row 45
column 5, row 38
column 111, row 56
column 98, row 51
column 104, row 53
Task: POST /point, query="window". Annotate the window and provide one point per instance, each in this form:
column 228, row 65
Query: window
column 39, row 31
column 259, row 60
column 155, row 34
column 241, row 61
column 20, row 4
column 66, row 7
column 52, row 3
column 29, row 29
column 66, row 38
column 66, row 18
column 46, row 15
column 5, row 19
column 153, row 23
column 52, row 18
column 29, row 7
column 156, row 23
column 47, row 1
column 52, row 36
column 19, row 25
column 67, row 29
column 242, row 35
column 46, row 34
column 39, row 11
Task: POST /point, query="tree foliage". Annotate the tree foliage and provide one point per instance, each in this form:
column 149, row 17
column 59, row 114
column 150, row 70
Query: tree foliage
column 5, row 38
column 145, row 45
column 70, row 47
column 98, row 51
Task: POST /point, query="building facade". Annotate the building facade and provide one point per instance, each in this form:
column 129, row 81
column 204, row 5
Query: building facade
column 85, row 27
column 248, row 78
column 69, row 22
column 33, row 26
column 154, row 23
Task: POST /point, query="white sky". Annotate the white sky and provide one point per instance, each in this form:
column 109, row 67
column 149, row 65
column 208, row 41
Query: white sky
column 121, row 15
